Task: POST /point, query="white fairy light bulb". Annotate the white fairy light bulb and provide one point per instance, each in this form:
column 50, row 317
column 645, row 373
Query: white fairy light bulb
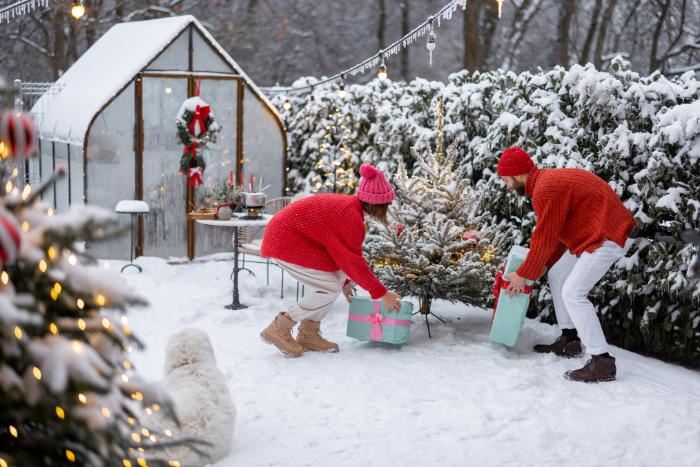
column 78, row 9
column 500, row 7
column 382, row 75
column 341, row 91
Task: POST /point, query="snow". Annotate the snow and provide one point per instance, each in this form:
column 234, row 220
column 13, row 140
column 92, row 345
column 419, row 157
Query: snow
column 454, row 400
column 106, row 68
column 671, row 199
column 131, row 205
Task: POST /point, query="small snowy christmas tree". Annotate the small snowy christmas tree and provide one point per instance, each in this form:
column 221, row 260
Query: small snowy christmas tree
column 441, row 246
column 68, row 394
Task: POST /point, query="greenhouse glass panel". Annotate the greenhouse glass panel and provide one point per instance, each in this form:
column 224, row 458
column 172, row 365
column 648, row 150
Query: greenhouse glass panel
column 110, row 166
column 164, row 188
column 221, row 95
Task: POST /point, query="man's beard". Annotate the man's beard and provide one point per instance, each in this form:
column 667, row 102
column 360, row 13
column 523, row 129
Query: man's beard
column 519, row 188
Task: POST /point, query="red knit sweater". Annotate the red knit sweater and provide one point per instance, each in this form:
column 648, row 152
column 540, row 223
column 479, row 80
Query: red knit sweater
column 325, row 233
column 576, row 211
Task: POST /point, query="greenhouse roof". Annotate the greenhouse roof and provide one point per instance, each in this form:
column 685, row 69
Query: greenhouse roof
column 64, row 113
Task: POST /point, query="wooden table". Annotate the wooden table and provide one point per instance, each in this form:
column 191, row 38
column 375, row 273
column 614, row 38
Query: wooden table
column 239, row 220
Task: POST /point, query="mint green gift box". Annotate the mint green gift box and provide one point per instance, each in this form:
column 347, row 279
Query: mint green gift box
column 369, row 320
column 510, row 312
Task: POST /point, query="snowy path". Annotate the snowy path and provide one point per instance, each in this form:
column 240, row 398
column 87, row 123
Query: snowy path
column 455, row 400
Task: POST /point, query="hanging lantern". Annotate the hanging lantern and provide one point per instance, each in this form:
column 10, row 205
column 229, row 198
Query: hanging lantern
column 431, row 45
column 382, row 75
column 18, row 135
column 78, row 9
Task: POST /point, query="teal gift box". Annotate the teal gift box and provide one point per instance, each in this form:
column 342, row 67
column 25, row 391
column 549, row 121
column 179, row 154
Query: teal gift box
column 369, row 320
column 510, row 311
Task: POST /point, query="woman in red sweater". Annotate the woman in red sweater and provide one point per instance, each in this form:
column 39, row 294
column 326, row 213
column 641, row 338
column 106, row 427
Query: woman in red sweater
column 318, row 241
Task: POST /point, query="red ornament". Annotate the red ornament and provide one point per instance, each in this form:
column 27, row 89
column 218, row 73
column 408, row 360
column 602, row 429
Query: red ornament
column 19, row 136
column 10, row 239
column 472, row 236
column 399, row 229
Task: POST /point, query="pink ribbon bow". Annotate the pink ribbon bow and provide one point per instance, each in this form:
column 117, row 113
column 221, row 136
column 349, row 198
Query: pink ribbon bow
column 376, row 319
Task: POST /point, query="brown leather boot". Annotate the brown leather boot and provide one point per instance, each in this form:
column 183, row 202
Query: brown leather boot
column 597, row 369
column 309, row 337
column 279, row 334
column 562, row 347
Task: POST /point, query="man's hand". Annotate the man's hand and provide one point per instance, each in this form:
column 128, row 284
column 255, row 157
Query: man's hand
column 392, row 301
column 517, row 283
column 349, row 291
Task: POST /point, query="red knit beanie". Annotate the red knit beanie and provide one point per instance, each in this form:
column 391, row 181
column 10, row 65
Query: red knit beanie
column 374, row 189
column 513, row 162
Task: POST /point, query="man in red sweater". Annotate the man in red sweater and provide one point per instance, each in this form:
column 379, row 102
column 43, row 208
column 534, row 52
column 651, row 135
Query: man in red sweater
column 582, row 230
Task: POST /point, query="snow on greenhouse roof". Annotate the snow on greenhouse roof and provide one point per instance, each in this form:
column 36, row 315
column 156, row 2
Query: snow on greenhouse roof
column 106, row 67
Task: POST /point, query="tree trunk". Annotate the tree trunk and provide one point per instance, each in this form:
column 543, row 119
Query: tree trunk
column 58, row 63
column 471, row 35
column 653, row 55
column 569, row 7
column 600, row 44
column 425, row 304
column 591, row 33
column 382, row 24
column 487, row 31
column 405, row 27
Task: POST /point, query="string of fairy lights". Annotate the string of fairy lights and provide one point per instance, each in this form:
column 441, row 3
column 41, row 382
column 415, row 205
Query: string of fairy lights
column 90, row 323
column 380, row 58
column 23, row 7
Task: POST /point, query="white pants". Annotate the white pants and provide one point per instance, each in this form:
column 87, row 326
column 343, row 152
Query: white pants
column 321, row 291
column 571, row 280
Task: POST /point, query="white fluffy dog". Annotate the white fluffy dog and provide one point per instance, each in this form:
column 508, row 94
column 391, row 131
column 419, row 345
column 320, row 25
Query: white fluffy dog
column 201, row 399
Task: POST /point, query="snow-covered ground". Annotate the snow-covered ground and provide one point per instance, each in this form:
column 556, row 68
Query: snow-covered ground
column 455, row 400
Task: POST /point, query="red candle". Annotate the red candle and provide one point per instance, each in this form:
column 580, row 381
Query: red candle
column 230, row 179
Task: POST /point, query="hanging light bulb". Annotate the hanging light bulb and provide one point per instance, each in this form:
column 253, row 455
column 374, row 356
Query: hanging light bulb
column 287, row 105
column 382, row 75
column 341, row 90
column 78, row 9
column 500, row 7
column 431, row 41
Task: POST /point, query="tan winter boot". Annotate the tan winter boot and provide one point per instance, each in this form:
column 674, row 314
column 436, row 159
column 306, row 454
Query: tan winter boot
column 309, row 336
column 279, row 334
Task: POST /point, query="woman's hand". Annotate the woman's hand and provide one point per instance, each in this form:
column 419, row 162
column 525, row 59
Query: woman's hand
column 392, row 301
column 349, row 290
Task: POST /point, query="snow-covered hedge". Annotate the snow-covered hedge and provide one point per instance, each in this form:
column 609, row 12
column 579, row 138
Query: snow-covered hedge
column 640, row 133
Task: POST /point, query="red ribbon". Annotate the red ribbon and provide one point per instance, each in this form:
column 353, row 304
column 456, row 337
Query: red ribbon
column 195, row 176
column 499, row 284
column 201, row 112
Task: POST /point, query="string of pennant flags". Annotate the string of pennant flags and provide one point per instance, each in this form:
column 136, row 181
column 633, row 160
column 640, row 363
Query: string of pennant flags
column 427, row 27
column 19, row 8
column 23, row 7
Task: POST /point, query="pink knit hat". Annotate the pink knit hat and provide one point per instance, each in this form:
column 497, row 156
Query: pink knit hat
column 374, row 189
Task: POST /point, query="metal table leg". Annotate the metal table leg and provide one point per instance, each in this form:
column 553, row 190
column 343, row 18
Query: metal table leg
column 235, row 304
column 131, row 250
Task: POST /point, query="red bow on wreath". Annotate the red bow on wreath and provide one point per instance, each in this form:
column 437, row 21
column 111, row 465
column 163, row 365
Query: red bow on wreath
column 195, row 176
column 201, row 112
